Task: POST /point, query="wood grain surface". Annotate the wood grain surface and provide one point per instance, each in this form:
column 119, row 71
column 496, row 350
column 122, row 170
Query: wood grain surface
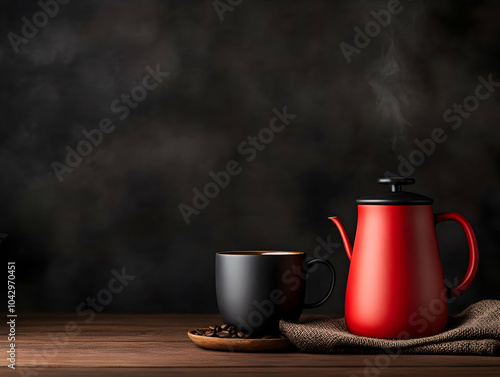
column 157, row 345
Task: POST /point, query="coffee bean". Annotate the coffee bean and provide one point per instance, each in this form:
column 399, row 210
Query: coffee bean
column 227, row 331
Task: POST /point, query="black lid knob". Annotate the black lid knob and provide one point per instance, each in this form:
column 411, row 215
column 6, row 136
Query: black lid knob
column 396, row 182
column 397, row 196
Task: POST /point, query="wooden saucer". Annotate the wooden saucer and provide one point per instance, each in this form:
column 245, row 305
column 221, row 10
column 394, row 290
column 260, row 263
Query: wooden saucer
column 240, row 345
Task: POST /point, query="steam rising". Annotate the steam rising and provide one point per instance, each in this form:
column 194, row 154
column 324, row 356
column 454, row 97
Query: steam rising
column 385, row 81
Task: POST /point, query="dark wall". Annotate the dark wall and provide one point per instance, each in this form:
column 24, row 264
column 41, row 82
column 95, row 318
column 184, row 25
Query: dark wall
column 119, row 207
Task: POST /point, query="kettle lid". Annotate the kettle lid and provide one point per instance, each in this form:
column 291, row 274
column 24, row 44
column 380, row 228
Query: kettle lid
column 396, row 196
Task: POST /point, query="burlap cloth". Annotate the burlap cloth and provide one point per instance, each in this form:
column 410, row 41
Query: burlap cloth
column 475, row 331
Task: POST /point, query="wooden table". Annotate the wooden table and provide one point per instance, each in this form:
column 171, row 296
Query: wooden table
column 157, row 345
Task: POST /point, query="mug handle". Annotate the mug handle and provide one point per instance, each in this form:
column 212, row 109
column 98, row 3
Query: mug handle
column 473, row 253
column 332, row 285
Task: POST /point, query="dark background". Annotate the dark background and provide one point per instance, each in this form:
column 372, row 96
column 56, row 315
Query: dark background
column 119, row 207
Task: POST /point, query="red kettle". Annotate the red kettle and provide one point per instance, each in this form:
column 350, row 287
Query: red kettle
column 395, row 287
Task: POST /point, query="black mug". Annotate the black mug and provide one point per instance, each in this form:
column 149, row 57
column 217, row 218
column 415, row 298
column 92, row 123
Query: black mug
column 255, row 289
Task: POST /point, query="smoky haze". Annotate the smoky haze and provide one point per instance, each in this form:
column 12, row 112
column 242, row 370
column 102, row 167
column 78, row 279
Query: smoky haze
column 119, row 207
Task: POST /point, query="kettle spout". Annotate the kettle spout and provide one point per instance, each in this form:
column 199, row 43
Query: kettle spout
column 343, row 234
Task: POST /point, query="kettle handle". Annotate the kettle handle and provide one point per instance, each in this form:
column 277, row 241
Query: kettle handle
column 473, row 253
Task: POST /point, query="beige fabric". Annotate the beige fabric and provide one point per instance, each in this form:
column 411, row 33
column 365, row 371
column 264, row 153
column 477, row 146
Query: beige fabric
column 475, row 331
